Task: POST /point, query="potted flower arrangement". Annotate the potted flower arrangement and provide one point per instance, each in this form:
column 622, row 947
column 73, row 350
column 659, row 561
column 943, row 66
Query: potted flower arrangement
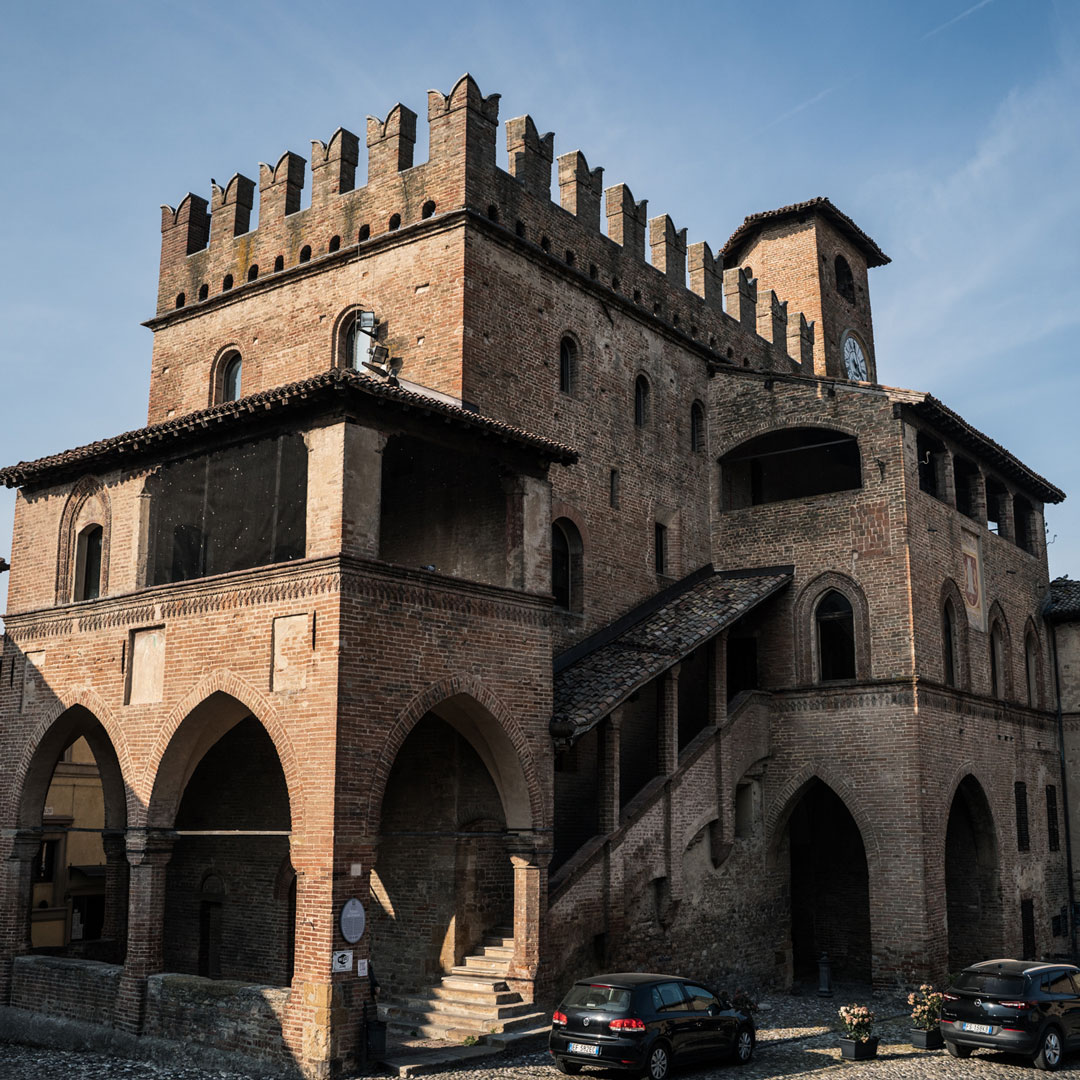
column 858, row 1043
column 925, row 1014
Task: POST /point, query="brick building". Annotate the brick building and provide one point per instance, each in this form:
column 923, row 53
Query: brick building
column 566, row 608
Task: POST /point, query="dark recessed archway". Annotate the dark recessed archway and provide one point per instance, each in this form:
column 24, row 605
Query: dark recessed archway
column 830, row 887
column 972, row 882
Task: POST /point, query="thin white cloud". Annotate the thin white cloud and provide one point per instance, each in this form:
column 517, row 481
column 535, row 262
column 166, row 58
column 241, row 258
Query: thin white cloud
column 956, row 18
column 821, row 95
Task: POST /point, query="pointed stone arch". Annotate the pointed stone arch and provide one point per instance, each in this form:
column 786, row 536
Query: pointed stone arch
column 787, row 798
column 163, row 781
column 803, row 610
column 525, row 789
column 48, row 740
column 967, row 848
column 87, row 503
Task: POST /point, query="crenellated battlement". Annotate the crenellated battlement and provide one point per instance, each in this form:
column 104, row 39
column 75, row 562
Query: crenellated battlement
column 211, row 248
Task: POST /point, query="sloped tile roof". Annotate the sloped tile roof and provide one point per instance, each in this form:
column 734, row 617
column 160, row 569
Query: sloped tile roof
column 1063, row 601
column 741, row 236
column 148, row 441
column 593, row 684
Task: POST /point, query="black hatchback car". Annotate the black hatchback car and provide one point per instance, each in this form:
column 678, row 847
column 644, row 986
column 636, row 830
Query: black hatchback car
column 645, row 1023
column 1015, row 1006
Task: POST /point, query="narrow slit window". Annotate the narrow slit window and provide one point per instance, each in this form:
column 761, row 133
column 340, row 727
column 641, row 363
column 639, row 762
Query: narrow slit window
column 641, row 401
column 88, row 563
column 231, row 377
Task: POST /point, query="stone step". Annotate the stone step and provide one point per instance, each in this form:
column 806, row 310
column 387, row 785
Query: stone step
column 485, row 996
column 469, row 980
column 498, row 942
column 433, row 1025
column 483, row 964
column 416, row 1061
column 430, row 1006
column 496, row 952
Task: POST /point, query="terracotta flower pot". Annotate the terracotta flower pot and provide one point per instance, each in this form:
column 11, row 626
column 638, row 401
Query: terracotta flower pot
column 927, row 1040
column 859, row 1049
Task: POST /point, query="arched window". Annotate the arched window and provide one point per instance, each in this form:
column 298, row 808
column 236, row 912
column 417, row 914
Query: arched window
column 253, row 272
column 948, row 636
column 641, row 401
column 232, row 369
column 357, row 335
column 88, row 563
column 835, row 624
column 305, row 253
column 1031, row 667
column 845, row 283
column 568, row 357
column 567, row 570
column 997, row 661
column 697, row 427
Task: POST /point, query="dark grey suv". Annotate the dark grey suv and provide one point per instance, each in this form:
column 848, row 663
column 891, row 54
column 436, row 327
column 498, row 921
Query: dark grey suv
column 1016, row 1006
column 644, row 1023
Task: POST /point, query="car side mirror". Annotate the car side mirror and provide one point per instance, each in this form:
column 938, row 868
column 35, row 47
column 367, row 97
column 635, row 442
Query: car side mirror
column 714, row 1009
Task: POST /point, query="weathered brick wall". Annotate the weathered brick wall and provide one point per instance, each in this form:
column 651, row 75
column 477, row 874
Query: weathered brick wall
column 236, row 1018
column 67, row 988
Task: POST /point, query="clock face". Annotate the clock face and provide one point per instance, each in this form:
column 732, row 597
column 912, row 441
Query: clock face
column 854, row 360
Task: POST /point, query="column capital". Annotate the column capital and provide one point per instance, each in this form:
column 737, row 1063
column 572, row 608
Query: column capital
column 150, row 847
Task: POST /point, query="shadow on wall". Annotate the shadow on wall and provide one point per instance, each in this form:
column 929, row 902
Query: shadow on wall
column 443, row 877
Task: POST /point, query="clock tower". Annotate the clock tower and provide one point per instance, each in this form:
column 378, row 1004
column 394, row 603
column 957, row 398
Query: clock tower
column 817, row 258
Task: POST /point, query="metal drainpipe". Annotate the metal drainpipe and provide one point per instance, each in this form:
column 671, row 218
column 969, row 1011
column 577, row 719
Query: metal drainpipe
column 1064, row 790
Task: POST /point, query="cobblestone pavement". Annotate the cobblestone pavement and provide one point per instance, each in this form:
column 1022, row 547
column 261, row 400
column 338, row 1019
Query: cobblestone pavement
column 797, row 1037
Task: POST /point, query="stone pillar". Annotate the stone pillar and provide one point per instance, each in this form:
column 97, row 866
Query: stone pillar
column 344, row 490
column 528, row 536
column 116, row 889
column 15, row 890
column 608, row 780
column 530, row 906
column 668, row 722
column 148, row 853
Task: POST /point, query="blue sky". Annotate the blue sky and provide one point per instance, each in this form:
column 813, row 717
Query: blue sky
column 947, row 130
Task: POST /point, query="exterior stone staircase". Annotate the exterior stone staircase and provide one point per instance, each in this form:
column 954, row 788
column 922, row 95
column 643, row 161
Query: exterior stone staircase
column 473, row 1000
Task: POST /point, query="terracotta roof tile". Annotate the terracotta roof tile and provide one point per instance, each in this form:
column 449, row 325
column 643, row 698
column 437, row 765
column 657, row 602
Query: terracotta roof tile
column 149, row 440
column 740, row 237
column 586, row 690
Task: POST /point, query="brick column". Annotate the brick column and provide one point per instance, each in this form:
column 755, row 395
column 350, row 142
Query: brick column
column 530, row 906
column 608, row 780
column 20, row 849
column 668, row 722
column 116, row 889
column 148, row 853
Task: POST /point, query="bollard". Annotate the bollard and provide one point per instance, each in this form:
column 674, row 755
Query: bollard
column 824, row 976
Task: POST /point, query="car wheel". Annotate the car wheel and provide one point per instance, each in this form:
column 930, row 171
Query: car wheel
column 1049, row 1055
column 571, row 1068
column 659, row 1064
column 744, row 1046
column 958, row 1051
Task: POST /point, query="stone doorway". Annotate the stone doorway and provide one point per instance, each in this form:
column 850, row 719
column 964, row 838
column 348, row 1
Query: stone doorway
column 972, row 880
column 830, row 887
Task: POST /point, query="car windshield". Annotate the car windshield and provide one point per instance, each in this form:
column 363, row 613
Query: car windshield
column 985, row 982
column 603, row 998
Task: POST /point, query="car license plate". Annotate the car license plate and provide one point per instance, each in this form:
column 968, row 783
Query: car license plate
column 584, row 1048
column 982, row 1029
